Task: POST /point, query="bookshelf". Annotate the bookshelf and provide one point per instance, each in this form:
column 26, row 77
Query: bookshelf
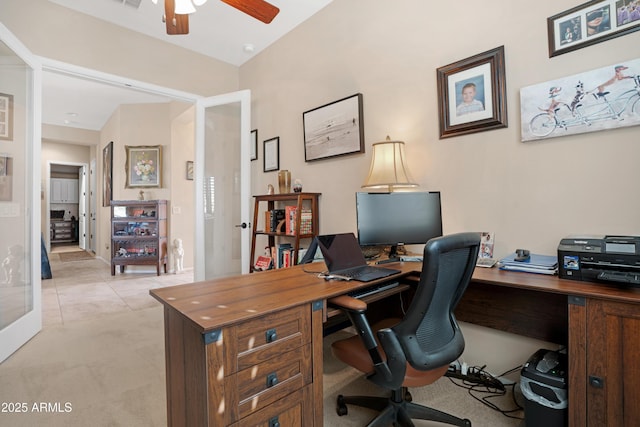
column 302, row 202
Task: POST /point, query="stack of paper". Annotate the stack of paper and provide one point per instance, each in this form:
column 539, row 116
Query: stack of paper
column 541, row 264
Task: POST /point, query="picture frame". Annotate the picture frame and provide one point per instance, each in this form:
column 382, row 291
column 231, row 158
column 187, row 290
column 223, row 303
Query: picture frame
column 590, row 23
column 6, row 178
column 6, row 117
column 472, row 94
column 334, row 129
column 271, row 151
column 107, row 174
column 189, row 170
column 254, row 144
column 144, row 166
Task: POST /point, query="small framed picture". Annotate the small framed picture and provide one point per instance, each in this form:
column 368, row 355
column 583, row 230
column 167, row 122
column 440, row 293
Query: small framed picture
column 272, row 154
column 144, row 166
column 472, row 94
column 590, row 23
column 334, row 129
column 254, row 144
column 190, row 170
column 6, row 116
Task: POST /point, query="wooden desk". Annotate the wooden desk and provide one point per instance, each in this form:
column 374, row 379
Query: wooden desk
column 227, row 339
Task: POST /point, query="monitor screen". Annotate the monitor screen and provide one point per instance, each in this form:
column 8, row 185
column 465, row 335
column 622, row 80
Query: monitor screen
column 398, row 218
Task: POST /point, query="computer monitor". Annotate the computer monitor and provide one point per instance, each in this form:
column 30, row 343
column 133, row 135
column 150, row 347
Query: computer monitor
column 398, row 218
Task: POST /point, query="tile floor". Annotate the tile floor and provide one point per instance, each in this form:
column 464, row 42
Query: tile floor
column 86, row 289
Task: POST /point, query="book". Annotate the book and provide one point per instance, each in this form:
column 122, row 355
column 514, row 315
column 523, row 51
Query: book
column 275, row 217
column 291, row 217
column 263, row 263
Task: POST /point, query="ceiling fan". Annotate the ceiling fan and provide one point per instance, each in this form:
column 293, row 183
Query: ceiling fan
column 179, row 23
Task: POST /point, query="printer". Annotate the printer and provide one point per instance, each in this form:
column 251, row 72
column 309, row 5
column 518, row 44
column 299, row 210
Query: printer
column 604, row 259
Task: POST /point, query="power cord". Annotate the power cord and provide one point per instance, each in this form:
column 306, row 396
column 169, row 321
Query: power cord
column 478, row 382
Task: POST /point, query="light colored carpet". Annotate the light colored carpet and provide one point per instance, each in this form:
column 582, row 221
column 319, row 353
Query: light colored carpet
column 110, row 371
column 74, row 256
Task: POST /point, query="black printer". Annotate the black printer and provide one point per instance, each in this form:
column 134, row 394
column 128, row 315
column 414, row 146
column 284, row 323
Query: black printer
column 609, row 259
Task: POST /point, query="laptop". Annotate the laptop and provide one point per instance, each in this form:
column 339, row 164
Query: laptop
column 345, row 260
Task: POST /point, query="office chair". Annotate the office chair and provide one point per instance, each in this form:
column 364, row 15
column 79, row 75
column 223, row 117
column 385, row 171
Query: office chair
column 416, row 350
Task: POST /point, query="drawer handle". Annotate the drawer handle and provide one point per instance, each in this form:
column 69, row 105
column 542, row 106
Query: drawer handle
column 271, row 335
column 274, row 422
column 272, row 379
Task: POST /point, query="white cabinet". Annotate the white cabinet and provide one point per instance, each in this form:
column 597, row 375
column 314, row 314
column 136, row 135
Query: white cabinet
column 64, row 190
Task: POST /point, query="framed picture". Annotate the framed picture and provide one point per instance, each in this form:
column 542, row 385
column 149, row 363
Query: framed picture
column 144, row 166
column 254, row 144
column 590, row 23
column 272, row 154
column 6, row 117
column 472, row 94
column 190, row 170
column 601, row 99
column 6, row 179
column 107, row 174
column 334, row 129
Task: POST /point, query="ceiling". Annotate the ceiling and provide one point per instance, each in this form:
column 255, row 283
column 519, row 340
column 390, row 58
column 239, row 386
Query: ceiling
column 215, row 29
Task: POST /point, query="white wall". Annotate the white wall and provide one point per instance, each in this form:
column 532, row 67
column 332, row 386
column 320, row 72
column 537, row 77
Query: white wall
column 530, row 194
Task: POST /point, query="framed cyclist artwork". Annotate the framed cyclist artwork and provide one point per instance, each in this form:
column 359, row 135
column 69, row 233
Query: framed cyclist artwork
column 590, row 23
column 601, row 99
column 472, row 94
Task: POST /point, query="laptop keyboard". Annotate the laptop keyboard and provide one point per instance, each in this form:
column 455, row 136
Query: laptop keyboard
column 359, row 272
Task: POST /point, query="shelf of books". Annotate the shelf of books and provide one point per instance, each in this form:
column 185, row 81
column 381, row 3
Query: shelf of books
column 285, row 220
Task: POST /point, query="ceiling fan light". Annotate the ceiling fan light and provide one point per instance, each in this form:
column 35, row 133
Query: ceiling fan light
column 199, row 2
column 184, row 7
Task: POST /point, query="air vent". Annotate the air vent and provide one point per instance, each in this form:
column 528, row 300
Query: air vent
column 132, row 3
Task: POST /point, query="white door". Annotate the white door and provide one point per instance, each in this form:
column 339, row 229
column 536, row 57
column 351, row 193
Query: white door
column 82, row 207
column 92, row 206
column 223, row 181
column 20, row 251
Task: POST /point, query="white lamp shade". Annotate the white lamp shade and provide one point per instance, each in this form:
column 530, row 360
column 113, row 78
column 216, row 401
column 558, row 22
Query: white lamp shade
column 199, row 2
column 388, row 167
column 184, row 7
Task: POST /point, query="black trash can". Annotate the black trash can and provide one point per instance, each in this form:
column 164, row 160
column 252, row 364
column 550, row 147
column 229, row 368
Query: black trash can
column 543, row 381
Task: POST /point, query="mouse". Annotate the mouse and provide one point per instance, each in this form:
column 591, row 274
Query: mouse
column 522, row 255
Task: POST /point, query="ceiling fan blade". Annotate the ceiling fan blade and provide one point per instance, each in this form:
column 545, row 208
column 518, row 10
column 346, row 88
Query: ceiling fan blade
column 176, row 24
column 259, row 9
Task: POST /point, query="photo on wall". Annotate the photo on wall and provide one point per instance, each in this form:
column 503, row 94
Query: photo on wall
column 601, row 99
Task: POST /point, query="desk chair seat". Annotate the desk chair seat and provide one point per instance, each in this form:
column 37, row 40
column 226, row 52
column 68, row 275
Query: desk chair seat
column 414, row 351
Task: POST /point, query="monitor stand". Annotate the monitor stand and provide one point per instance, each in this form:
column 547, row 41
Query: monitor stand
column 393, row 256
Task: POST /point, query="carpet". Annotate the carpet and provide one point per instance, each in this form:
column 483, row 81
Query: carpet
column 74, row 256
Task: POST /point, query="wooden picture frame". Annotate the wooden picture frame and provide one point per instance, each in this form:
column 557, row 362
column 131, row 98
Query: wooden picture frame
column 189, row 170
column 271, row 151
column 6, row 117
column 254, row 144
column 590, row 23
column 334, row 129
column 144, row 166
column 472, row 94
column 107, row 174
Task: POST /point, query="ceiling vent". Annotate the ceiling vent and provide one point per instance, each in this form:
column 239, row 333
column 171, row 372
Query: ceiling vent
column 132, row 3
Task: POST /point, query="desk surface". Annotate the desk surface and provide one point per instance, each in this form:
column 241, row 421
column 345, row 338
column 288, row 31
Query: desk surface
column 220, row 302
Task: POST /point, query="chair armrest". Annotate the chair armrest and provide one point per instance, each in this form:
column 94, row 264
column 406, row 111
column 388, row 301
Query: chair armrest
column 346, row 302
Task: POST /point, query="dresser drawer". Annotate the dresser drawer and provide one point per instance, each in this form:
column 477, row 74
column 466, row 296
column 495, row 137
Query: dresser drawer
column 258, row 340
column 294, row 411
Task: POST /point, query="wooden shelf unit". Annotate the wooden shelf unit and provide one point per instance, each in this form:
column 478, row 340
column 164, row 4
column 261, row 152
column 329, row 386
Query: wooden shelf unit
column 138, row 234
column 301, row 200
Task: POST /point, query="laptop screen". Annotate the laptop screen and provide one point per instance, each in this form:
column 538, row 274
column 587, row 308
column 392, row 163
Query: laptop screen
column 341, row 251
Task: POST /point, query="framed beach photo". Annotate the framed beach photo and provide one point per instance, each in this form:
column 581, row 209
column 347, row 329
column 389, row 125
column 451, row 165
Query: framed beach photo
column 144, row 166
column 472, row 94
column 272, row 154
column 334, row 129
column 590, row 23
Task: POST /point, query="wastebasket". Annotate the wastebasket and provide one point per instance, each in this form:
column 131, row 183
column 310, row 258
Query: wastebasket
column 543, row 381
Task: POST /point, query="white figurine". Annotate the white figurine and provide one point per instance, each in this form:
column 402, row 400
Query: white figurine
column 178, row 256
column 11, row 265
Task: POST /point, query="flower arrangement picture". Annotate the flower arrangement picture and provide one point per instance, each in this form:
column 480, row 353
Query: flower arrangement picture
column 144, row 166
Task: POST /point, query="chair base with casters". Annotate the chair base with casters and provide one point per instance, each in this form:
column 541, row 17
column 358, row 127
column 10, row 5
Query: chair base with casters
column 397, row 410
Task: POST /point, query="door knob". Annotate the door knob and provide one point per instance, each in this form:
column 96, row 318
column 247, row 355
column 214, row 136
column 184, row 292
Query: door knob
column 243, row 225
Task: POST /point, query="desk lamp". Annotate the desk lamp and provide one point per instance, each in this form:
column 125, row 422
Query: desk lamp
column 388, row 167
